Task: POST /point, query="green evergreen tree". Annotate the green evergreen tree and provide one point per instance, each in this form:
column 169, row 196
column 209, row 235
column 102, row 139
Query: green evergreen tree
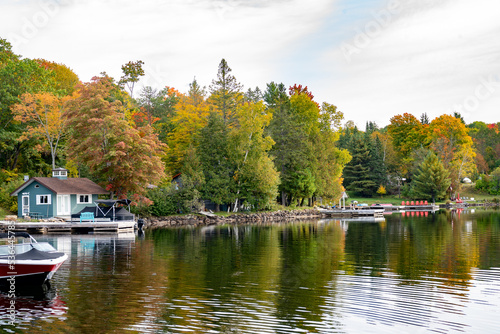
column 159, row 109
column 348, row 138
column 432, row 179
column 213, row 150
column 371, row 127
column 226, row 92
column 281, row 129
column 357, row 175
column 378, row 168
column 253, row 95
column 424, row 119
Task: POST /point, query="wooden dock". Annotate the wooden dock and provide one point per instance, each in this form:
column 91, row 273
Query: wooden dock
column 351, row 213
column 74, row 227
column 428, row 207
column 396, row 208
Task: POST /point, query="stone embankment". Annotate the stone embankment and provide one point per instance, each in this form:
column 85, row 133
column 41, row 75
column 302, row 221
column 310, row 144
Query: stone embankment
column 201, row 220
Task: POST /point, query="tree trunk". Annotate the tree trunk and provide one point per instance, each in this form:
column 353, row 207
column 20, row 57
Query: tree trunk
column 235, row 209
column 14, row 157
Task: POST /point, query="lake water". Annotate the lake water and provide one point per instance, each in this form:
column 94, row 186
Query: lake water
column 419, row 273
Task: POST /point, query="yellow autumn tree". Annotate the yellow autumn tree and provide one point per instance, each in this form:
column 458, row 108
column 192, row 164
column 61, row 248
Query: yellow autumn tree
column 65, row 80
column 408, row 134
column 191, row 115
column 381, row 190
column 256, row 177
column 43, row 114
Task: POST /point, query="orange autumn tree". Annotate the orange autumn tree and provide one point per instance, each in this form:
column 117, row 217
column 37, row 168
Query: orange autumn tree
column 450, row 140
column 123, row 159
column 44, row 116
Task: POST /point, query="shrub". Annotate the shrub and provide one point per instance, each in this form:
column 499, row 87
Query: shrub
column 6, row 188
column 169, row 200
column 164, row 201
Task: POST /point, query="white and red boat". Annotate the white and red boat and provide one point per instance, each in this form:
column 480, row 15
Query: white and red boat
column 28, row 262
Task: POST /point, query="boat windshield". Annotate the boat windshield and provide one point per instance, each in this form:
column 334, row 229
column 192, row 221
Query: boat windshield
column 44, row 246
column 18, row 249
column 25, row 247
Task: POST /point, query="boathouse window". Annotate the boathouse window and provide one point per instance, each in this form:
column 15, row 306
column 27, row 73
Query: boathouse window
column 43, row 199
column 84, row 199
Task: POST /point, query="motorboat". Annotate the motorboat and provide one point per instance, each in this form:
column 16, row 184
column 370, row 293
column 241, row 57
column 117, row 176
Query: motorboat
column 27, row 261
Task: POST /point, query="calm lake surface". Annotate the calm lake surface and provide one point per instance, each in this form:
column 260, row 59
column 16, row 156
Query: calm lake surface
column 418, row 273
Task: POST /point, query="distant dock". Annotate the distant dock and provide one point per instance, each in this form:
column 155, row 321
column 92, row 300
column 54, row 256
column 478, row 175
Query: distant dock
column 351, row 213
column 376, row 211
column 74, row 227
column 428, row 207
column 400, row 208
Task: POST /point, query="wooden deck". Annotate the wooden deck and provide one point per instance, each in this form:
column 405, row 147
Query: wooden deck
column 350, row 213
column 74, row 227
column 428, row 207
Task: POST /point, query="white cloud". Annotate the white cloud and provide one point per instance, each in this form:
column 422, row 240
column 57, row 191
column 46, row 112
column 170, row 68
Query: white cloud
column 177, row 39
column 420, row 56
column 427, row 59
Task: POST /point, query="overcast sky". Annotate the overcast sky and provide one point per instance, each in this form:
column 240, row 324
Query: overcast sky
column 372, row 59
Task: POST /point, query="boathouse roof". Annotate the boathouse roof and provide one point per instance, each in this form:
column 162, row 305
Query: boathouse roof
column 64, row 186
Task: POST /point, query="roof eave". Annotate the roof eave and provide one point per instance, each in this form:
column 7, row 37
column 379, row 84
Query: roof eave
column 22, row 186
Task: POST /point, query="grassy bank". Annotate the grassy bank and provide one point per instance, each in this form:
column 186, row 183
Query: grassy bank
column 4, row 213
column 468, row 190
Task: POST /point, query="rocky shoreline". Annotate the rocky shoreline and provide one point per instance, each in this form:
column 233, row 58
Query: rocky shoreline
column 259, row 217
column 201, row 220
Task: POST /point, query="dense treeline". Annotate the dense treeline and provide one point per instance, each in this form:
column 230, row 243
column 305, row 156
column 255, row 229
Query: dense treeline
column 250, row 149
column 238, row 149
column 422, row 159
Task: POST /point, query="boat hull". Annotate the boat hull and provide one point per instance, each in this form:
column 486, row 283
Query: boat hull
column 29, row 271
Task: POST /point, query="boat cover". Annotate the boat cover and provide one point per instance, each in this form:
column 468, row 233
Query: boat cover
column 108, row 210
column 111, row 202
column 35, row 254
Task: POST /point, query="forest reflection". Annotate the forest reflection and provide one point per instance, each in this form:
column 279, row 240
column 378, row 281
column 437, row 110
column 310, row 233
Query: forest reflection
column 302, row 275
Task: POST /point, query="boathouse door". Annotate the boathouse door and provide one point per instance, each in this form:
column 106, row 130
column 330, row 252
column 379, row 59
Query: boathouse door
column 63, row 205
column 26, row 204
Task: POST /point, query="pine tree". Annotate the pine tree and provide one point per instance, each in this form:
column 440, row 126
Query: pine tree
column 432, row 179
column 253, row 95
column 357, row 174
column 378, row 168
column 225, row 92
column 424, row 119
column 371, row 127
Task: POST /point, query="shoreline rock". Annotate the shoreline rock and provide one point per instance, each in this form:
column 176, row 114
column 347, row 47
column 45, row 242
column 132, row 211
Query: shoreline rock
column 199, row 220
